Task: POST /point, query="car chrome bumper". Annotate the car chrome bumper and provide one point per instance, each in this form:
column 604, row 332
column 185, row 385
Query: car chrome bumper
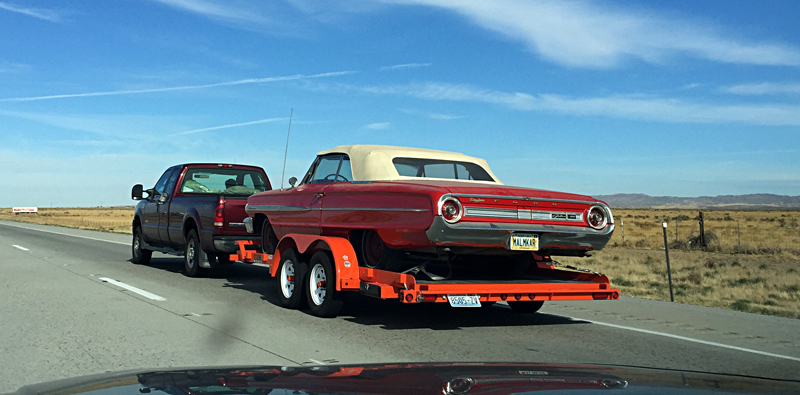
column 497, row 235
column 227, row 244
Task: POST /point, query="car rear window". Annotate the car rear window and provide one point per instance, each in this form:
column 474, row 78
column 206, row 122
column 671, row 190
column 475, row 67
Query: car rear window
column 436, row 168
column 223, row 181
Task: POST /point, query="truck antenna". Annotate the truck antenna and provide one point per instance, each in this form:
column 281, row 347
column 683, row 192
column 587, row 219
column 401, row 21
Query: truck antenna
column 286, row 151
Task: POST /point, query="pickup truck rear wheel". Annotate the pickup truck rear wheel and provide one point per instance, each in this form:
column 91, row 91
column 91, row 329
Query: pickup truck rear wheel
column 291, row 273
column 193, row 256
column 323, row 300
column 377, row 255
column 141, row 256
column 525, row 307
column 268, row 239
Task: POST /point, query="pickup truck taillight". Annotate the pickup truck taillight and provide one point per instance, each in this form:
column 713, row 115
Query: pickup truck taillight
column 219, row 219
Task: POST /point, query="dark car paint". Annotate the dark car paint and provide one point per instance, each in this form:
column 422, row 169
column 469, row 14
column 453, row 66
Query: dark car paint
column 415, row 378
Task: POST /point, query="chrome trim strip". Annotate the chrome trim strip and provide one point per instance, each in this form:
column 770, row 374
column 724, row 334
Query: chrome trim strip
column 411, row 210
column 525, row 198
column 236, row 224
column 491, row 212
column 275, row 207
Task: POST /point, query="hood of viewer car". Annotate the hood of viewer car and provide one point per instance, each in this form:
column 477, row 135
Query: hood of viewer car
column 411, row 378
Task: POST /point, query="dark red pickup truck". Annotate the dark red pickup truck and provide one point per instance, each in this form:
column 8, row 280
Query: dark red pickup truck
column 195, row 210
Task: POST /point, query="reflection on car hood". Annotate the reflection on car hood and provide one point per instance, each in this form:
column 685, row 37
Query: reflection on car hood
column 418, row 378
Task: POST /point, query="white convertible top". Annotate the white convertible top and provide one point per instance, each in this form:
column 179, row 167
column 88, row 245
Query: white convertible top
column 374, row 162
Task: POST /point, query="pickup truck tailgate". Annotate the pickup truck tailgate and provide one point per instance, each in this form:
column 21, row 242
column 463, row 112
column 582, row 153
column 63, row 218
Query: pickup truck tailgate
column 233, row 215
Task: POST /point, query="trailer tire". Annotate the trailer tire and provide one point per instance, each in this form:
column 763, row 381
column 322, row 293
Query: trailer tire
column 526, row 307
column 321, row 295
column 193, row 255
column 289, row 279
column 375, row 254
column 140, row 256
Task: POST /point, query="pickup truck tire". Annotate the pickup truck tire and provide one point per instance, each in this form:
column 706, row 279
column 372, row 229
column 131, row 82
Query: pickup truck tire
column 321, row 295
column 525, row 307
column 375, row 254
column 269, row 241
column 140, row 256
column 289, row 279
column 193, row 255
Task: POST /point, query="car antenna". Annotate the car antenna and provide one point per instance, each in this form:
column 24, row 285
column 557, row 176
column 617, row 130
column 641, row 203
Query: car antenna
column 286, row 151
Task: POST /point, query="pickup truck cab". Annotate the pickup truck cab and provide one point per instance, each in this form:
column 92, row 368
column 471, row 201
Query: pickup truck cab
column 195, row 210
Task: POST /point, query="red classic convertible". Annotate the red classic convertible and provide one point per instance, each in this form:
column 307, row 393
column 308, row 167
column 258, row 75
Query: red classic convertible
column 398, row 205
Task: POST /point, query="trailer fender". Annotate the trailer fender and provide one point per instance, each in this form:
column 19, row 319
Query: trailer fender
column 344, row 257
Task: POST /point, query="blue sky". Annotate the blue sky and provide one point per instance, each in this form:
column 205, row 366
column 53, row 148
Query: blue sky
column 682, row 98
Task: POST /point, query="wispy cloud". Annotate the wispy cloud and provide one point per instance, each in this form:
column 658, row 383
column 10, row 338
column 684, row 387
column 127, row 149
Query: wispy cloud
column 431, row 115
column 582, row 33
column 405, row 66
column 647, row 108
column 233, row 125
column 39, row 13
column 179, row 88
column 13, row 67
column 766, row 88
column 378, row 126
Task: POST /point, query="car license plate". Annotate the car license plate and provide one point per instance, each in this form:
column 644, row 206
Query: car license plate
column 524, row 242
column 464, row 300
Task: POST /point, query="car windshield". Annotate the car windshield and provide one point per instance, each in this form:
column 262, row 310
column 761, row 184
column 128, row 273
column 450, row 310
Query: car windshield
column 224, row 181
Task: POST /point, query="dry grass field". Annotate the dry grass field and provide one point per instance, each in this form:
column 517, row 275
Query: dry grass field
column 106, row 219
column 751, row 262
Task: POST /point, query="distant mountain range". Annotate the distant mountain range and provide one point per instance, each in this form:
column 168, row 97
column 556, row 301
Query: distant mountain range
column 754, row 201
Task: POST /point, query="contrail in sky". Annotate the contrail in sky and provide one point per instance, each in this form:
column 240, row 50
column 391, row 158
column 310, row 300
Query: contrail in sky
column 233, row 125
column 179, row 88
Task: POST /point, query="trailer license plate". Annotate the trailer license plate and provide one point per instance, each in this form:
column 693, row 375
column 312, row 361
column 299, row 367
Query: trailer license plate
column 524, row 242
column 464, row 300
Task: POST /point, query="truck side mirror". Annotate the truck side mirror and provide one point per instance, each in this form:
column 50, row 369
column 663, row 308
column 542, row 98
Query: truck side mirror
column 136, row 192
column 292, row 181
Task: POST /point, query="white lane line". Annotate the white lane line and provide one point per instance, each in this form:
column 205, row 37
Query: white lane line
column 20, row 247
column 316, row 362
column 688, row 339
column 133, row 289
column 67, row 234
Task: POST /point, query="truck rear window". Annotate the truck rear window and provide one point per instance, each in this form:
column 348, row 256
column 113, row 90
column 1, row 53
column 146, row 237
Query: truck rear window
column 223, row 181
column 436, row 168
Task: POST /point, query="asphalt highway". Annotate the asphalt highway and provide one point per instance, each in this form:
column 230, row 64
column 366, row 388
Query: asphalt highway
column 72, row 304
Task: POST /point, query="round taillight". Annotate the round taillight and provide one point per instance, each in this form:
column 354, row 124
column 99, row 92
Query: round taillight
column 597, row 217
column 451, row 209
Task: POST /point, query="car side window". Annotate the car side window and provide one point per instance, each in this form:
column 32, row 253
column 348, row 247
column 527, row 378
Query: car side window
column 327, row 169
column 162, row 182
column 345, row 170
column 172, row 179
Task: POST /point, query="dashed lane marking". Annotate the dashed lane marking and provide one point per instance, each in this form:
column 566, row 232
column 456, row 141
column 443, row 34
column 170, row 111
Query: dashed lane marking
column 133, row 289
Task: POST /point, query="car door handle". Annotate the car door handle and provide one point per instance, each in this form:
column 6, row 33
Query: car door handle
column 319, row 194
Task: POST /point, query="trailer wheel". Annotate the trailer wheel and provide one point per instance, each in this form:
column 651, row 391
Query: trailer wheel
column 525, row 307
column 141, row 256
column 376, row 254
column 193, row 255
column 323, row 300
column 291, row 272
column 268, row 239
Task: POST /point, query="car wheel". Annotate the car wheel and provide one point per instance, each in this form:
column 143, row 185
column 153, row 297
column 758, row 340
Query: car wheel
column 321, row 295
column 268, row 239
column 193, row 256
column 291, row 272
column 525, row 307
column 377, row 255
column 141, row 256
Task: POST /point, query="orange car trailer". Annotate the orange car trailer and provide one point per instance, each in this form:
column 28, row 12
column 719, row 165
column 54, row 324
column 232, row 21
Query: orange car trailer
column 316, row 270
